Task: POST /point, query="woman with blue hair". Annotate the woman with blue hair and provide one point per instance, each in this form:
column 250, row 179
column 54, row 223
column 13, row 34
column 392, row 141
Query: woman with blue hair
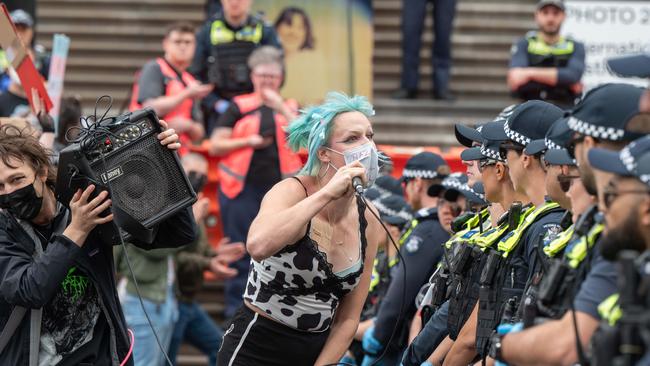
column 312, row 245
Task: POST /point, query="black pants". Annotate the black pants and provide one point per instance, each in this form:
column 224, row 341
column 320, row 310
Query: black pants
column 253, row 340
column 413, row 14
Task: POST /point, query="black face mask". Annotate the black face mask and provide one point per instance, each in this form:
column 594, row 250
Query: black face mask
column 197, row 181
column 23, row 203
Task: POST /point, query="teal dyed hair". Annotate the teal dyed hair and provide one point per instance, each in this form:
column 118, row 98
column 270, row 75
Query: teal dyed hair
column 313, row 127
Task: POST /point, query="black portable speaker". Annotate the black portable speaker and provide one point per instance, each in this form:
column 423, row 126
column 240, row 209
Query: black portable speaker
column 147, row 181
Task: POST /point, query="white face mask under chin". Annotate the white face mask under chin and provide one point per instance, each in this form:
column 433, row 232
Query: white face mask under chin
column 367, row 155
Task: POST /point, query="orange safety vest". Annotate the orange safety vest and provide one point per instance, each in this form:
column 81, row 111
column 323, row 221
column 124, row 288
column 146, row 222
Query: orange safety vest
column 233, row 168
column 173, row 85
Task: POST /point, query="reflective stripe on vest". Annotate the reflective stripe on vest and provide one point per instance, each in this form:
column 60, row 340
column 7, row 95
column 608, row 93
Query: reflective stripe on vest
column 508, row 243
column 486, row 239
column 220, row 33
column 610, row 310
column 407, row 233
column 557, row 245
column 537, row 46
column 374, row 279
column 471, row 228
column 234, row 166
column 579, row 251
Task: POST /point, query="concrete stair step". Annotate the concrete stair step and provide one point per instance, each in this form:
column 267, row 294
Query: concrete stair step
column 429, row 107
column 100, row 13
column 488, row 73
column 392, row 39
column 469, row 23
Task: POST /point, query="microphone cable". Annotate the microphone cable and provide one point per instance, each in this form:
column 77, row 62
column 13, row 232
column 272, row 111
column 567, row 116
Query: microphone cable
column 401, row 260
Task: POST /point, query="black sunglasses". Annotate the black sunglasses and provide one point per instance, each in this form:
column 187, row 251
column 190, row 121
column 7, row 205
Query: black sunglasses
column 610, row 195
column 484, row 163
column 566, row 181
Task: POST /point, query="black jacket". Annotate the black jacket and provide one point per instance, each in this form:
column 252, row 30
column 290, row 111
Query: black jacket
column 32, row 283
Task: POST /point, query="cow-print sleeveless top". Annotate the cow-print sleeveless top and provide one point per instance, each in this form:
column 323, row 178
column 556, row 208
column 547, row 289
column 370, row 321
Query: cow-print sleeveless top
column 297, row 286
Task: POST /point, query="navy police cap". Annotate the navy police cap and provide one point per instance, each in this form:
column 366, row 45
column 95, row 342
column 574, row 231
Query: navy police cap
column 632, row 161
column 607, row 113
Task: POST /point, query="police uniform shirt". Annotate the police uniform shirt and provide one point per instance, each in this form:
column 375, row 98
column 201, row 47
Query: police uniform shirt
column 203, row 44
column 597, row 286
column 566, row 76
column 421, row 250
column 547, row 228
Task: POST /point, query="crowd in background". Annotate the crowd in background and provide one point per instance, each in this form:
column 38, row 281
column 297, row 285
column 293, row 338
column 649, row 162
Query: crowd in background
column 513, row 245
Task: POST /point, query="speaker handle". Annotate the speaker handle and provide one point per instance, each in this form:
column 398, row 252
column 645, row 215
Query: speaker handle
column 126, row 222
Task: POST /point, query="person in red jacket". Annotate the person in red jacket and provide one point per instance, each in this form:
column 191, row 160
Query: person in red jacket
column 250, row 136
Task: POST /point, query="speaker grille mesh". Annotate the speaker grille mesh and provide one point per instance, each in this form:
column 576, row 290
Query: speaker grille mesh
column 150, row 181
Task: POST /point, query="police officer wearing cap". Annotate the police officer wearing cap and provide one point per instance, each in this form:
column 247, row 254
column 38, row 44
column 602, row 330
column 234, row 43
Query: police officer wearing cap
column 222, row 48
column 604, row 118
column 566, row 260
column 509, row 267
column 545, row 65
column 434, row 307
column 500, row 192
column 620, row 339
column 420, row 249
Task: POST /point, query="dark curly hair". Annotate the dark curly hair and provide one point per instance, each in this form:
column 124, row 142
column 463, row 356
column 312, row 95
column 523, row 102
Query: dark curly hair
column 20, row 144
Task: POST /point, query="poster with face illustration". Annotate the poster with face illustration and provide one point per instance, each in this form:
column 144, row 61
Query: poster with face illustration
column 327, row 44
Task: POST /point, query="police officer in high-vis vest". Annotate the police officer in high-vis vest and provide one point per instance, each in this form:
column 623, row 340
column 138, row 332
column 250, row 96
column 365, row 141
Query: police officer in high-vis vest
column 251, row 139
column 509, row 262
column 621, row 338
column 421, row 248
column 545, row 65
column 606, row 117
column 223, row 46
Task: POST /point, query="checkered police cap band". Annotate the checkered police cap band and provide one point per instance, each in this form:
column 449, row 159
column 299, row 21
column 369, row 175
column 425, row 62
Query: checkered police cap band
column 631, row 163
column 551, row 145
column 599, row 132
column 479, row 195
column 419, row 173
column 405, row 215
column 383, row 192
column 515, row 136
column 489, row 153
column 454, row 184
column 385, row 209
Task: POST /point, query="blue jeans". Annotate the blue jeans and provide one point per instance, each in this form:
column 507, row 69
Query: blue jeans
column 196, row 327
column 163, row 317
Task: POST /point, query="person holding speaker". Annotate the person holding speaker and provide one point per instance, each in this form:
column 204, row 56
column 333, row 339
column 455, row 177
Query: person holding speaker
column 313, row 244
column 58, row 298
column 251, row 138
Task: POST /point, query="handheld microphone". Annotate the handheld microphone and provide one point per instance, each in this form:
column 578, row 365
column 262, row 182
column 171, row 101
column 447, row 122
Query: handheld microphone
column 357, row 184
